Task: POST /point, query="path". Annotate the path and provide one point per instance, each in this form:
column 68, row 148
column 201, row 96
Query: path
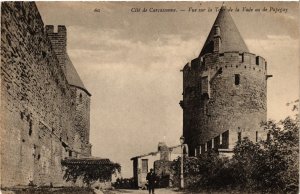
column 166, row 191
column 157, row 191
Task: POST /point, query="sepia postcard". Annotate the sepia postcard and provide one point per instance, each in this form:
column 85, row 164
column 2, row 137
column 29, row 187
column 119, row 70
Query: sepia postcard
column 157, row 97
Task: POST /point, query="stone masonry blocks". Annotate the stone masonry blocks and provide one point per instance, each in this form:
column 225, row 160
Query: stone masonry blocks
column 227, row 105
column 38, row 124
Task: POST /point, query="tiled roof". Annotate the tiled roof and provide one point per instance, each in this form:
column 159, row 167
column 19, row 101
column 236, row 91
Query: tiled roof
column 89, row 160
column 231, row 40
column 148, row 154
column 173, row 149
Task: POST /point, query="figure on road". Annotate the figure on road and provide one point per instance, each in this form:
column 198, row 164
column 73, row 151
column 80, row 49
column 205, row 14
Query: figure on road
column 151, row 178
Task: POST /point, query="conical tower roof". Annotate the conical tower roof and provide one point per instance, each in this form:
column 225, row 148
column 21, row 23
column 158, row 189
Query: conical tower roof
column 231, row 39
column 72, row 76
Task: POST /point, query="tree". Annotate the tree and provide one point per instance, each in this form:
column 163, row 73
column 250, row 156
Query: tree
column 269, row 166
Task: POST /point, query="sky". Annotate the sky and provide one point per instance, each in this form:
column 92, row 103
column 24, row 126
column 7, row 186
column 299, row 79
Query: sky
column 131, row 61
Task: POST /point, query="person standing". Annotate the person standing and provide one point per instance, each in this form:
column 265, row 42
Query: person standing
column 151, row 178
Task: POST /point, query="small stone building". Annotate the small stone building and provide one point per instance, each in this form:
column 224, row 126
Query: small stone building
column 159, row 160
column 224, row 91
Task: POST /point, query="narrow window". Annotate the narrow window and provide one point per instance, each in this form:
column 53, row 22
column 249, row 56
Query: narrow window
column 268, row 137
column 239, row 136
column 205, row 147
column 30, row 128
column 241, row 57
column 225, row 139
column 144, row 165
column 80, row 98
column 217, row 142
column 200, row 149
column 205, row 86
column 256, row 136
column 70, row 153
column 237, row 79
column 212, row 144
column 209, row 145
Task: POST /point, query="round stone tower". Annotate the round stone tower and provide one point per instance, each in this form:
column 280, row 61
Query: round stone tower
column 80, row 95
column 224, row 91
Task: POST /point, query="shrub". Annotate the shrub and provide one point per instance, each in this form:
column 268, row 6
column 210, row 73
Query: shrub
column 90, row 173
column 124, row 183
column 268, row 166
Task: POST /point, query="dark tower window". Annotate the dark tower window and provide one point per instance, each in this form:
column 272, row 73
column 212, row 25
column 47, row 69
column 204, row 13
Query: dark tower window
column 239, row 136
column 202, row 147
column 30, row 128
column 70, row 153
column 237, row 79
column 209, row 145
column 241, row 58
column 256, row 136
column 190, row 151
column 217, row 142
column 80, row 98
column 225, row 140
column 268, row 136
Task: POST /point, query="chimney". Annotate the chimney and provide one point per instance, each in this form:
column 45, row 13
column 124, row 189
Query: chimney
column 164, row 151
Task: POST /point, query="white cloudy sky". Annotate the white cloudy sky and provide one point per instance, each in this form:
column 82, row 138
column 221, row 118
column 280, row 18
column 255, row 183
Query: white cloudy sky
column 131, row 63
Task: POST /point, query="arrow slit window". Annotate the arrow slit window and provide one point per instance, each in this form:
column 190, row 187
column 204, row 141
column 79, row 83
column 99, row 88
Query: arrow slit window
column 237, row 79
column 205, row 88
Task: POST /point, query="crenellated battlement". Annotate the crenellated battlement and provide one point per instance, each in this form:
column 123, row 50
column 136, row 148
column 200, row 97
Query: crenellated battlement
column 226, row 60
column 58, row 40
column 233, row 58
column 61, row 29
